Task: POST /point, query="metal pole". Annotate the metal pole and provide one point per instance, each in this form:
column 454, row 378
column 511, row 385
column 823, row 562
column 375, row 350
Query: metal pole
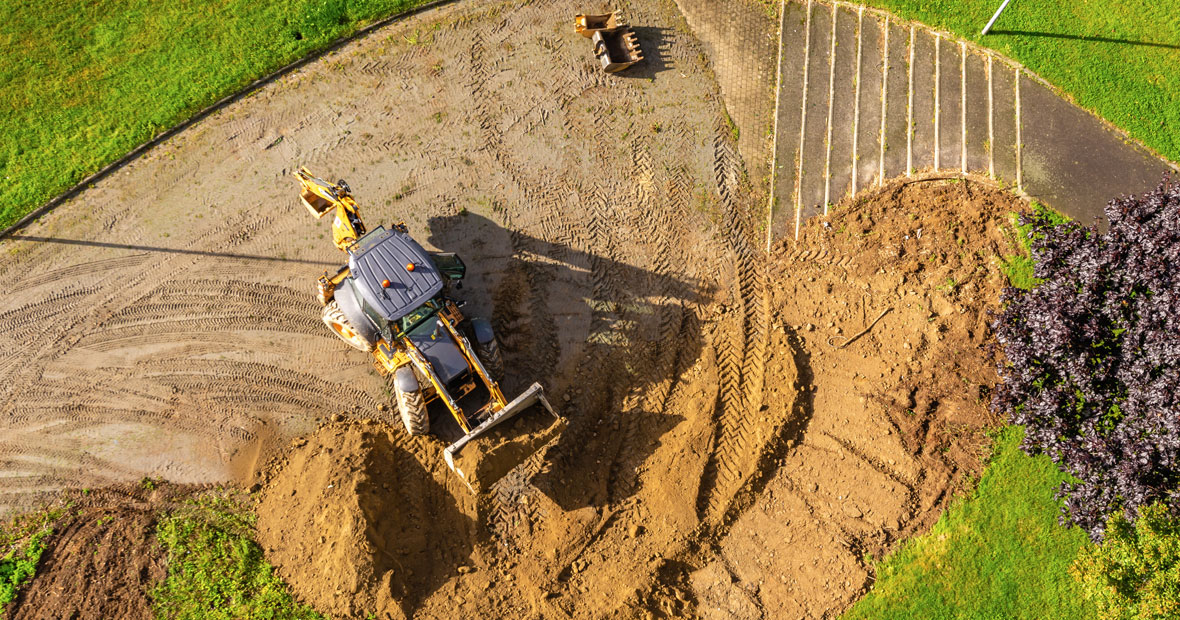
column 994, row 17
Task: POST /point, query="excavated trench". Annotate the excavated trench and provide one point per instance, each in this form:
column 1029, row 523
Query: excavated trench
column 725, row 456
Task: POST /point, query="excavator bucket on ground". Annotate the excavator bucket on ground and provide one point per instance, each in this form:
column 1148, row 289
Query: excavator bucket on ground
column 616, row 48
column 480, row 465
column 587, row 25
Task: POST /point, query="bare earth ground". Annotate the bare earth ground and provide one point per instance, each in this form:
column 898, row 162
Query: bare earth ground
column 723, row 459
column 103, row 557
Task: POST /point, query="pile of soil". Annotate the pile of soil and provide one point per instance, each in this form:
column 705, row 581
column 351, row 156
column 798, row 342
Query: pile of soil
column 356, row 525
column 102, row 560
column 885, row 304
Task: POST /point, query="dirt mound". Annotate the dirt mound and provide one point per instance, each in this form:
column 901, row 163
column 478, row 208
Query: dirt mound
column 885, row 305
column 356, row 525
column 102, row 559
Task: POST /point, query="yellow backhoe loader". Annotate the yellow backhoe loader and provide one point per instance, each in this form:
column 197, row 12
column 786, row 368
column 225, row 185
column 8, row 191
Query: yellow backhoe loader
column 391, row 300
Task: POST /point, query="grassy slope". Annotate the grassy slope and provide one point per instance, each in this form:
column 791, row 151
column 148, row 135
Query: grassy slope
column 997, row 553
column 82, row 83
column 1118, row 59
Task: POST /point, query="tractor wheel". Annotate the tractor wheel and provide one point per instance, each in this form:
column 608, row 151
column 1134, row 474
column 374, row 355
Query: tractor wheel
column 335, row 319
column 413, row 410
column 493, row 361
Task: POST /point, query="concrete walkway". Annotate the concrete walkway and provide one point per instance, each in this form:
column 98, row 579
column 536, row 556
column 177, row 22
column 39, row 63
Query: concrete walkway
column 863, row 97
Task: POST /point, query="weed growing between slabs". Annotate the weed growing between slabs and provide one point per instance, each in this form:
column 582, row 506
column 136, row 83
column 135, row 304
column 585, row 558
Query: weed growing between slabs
column 83, row 83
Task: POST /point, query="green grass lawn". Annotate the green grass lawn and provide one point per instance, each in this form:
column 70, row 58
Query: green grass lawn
column 996, row 553
column 215, row 569
column 1118, row 59
column 83, row 83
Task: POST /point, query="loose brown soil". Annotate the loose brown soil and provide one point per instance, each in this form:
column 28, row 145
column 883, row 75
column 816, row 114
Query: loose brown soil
column 722, row 458
column 103, row 558
column 356, row 524
column 889, row 425
column 859, row 446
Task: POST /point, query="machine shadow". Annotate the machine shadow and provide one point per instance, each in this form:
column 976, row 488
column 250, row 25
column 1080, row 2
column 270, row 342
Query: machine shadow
column 607, row 339
column 412, row 560
column 653, row 43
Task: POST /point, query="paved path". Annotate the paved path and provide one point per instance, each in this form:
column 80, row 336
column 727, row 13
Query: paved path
column 740, row 38
column 863, row 97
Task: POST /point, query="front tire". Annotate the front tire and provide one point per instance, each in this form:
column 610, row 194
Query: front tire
column 412, row 407
column 336, row 320
column 493, row 360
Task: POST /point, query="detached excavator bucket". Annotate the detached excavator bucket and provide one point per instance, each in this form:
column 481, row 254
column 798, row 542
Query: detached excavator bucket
column 482, row 463
column 587, row 25
column 616, row 49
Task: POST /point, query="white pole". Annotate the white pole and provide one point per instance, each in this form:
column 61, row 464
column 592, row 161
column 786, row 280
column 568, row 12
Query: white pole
column 994, row 17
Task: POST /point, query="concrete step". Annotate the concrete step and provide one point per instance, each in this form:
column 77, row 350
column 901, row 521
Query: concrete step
column 842, row 108
column 863, row 99
column 866, row 158
column 978, row 113
column 897, row 99
column 950, row 107
column 813, row 149
column 1004, row 122
column 922, row 122
column 790, row 117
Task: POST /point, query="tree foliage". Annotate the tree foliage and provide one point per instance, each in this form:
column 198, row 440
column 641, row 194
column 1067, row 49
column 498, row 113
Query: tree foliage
column 1092, row 356
column 1135, row 573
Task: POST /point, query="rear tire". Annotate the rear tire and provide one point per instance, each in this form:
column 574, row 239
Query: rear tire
column 493, row 360
column 412, row 407
column 336, row 320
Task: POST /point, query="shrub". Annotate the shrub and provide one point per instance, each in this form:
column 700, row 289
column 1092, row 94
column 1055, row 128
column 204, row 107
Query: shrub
column 1093, row 353
column 1135, row 573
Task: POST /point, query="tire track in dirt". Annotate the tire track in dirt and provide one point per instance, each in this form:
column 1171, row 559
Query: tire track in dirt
column 112, row 298
column 741, row 342
column 520, row 308
column 82, row 269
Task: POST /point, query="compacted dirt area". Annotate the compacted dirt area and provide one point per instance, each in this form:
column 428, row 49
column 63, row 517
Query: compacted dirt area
column 726, row 456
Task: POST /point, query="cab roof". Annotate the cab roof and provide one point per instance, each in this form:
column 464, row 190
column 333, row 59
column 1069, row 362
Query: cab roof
column 383, row 254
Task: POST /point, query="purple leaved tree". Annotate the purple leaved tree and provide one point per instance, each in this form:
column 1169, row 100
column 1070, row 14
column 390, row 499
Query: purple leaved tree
column 1091, row 363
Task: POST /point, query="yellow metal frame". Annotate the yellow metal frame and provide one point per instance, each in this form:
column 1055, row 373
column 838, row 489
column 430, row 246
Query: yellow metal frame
column 321, row 197
column 404, row 352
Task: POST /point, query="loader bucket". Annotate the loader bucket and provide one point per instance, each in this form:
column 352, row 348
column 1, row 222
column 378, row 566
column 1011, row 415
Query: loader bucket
column 481, row 463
